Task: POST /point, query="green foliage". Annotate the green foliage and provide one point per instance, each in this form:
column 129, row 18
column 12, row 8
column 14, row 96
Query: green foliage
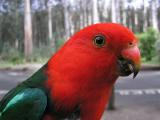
column 11, row 55
column 157, row 46
column 59, row 43
column 147, row 43
column 42, row 54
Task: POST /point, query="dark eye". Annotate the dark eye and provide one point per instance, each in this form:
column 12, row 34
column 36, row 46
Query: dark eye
column 99, row 40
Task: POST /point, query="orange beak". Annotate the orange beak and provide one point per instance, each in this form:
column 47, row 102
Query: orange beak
column 129, row 61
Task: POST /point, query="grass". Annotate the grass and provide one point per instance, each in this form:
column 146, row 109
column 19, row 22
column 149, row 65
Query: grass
column 6, row 64
column 12, row 57
column 9, row 64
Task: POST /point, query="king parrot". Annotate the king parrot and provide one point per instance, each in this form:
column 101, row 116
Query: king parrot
column 77, row 81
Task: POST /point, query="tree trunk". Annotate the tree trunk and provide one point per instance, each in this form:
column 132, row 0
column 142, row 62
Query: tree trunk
column 66, row 19
column 124, row 21
column 28, row 44
column 154, row 14
column 111, row 105
column 95, row 12
column 113, row 10
column 136, row 21
column 50, row 23
column 117, row 11
column 144, row 15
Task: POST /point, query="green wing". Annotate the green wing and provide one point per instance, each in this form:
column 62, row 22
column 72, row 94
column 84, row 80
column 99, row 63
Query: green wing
column 27, row 101
column 28, row 104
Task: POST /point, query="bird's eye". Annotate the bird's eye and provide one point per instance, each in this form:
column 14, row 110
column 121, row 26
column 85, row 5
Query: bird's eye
column 130, row 43
column 99, row 40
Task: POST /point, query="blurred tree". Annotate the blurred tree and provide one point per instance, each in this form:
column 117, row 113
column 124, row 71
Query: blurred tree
column 66, row 18
column 114, row 11
column 123, row 13
column 50, row 33
column 28, row 44
column 154, row 14
column 52, row 26
column 95, row 12
column 144, row 15
column 11, row 24
column 147, row 43
column 111, row 105
column 157, row 45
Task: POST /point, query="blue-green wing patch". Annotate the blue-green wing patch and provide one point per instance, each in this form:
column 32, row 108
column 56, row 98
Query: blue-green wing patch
column 29, row 104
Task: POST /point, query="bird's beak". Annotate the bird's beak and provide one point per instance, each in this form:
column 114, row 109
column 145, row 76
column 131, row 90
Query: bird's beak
column 129, row 62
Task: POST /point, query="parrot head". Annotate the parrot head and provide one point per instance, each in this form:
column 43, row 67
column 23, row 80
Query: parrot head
column 111, row 40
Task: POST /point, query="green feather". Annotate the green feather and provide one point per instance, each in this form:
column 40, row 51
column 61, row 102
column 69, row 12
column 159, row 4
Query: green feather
column 13, row 101
column 28, row 99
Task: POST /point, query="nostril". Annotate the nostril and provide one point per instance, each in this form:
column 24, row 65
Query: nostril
column 130, row 43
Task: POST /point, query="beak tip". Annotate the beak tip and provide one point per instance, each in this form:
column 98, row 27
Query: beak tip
column 135, row 73
column 134, row 76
